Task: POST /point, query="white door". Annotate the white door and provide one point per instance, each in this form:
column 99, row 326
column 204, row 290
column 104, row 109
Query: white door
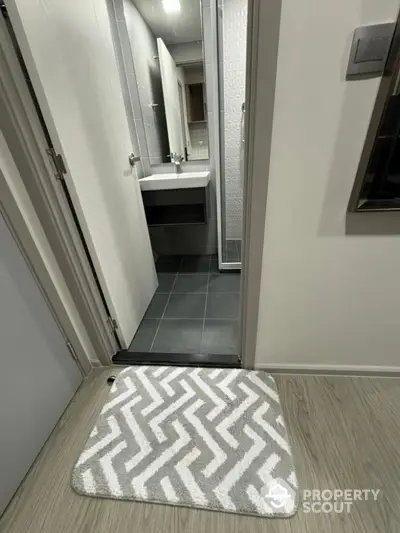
column 169, row 81
column 68, row 49
column 38, row 376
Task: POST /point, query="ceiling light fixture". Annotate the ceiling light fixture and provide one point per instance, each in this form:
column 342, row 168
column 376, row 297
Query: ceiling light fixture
column 171, row 6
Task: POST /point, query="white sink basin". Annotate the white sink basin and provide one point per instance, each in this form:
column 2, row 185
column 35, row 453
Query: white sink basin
column 184, row 180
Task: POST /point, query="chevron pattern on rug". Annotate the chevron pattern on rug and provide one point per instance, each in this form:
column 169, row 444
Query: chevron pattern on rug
column 200, row 437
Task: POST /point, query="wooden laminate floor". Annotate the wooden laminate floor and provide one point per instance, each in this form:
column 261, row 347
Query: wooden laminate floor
column 344, row 431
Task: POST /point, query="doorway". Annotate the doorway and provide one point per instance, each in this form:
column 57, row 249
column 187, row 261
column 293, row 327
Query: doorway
column 196, row 309
column 194, row 314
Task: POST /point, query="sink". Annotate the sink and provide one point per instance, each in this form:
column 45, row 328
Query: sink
column 184, row 180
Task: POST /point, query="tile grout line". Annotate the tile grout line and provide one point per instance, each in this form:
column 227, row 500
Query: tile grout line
column 166, row 305
column 205, row 307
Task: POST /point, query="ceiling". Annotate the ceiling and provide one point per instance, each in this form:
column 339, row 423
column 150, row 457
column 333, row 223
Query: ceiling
column 180, row 27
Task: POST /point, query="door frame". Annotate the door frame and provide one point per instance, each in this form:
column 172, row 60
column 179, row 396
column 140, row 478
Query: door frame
column 25, row 138
column 263, row 24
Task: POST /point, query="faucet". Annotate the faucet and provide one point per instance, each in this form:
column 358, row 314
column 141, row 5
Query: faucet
column 176, row 159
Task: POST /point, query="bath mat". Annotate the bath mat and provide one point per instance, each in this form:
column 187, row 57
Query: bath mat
column 197, row 437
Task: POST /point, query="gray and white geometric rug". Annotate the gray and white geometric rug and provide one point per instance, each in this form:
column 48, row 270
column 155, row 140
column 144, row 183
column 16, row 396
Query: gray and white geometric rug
column 198, row 437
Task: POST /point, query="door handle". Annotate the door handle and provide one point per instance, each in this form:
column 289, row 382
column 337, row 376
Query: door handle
column 133, row 159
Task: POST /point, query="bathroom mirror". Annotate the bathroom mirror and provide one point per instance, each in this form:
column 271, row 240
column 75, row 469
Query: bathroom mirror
column 167, row 49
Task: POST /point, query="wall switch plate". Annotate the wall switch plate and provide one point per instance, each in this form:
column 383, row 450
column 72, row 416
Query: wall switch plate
column 370, row 49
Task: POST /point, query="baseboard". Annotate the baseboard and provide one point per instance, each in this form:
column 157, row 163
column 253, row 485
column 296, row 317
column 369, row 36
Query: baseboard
column 339, row 370
column 95, row 363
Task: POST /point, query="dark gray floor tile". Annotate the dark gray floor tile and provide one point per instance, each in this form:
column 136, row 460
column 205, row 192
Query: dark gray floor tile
column 214, row 264
column 168, row 263
column 144, row 336
column 179, row 336
column 165, row 282
column 220, row 337
column 186, row 306
column 194, row 283
column 224, row 283
column 223, row 305
column 157, row 306
column 195, row 263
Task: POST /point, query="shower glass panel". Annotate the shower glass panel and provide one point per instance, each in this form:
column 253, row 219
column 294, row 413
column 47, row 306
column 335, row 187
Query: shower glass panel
column 232, row 37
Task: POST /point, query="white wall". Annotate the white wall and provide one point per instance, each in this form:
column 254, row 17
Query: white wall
column 330, row 292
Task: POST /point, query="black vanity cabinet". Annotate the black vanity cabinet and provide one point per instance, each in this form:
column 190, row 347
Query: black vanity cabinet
column 175, row 207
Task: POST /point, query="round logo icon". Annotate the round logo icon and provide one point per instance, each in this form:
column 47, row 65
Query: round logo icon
column 278, row 494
